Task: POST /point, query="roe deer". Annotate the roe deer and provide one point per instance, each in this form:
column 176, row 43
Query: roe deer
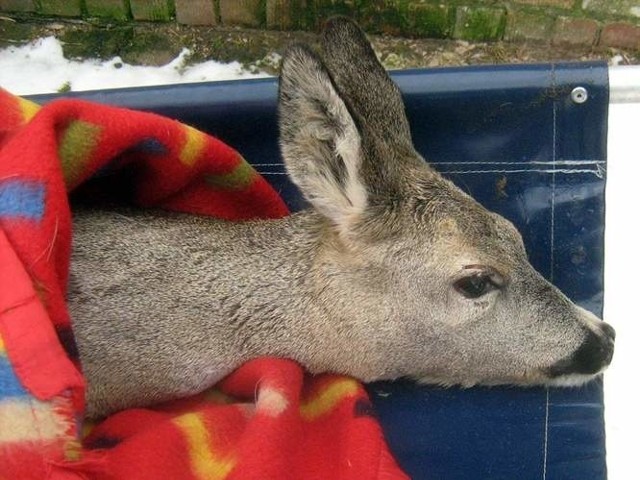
column 392, row 272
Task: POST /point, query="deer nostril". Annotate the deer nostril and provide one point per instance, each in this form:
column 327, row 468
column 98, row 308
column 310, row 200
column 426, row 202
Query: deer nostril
column 608, row 330
column 593, row 355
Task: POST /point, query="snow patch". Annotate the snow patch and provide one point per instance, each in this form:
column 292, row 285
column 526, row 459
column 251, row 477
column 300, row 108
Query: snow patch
column 40, row 67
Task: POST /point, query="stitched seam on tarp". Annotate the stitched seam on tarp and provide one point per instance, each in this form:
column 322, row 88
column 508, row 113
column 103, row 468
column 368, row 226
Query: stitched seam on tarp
column 597, row 172
column 552, row 171
column 552, row 255
column 524, row 162
column 553, row 191
column 546, row 436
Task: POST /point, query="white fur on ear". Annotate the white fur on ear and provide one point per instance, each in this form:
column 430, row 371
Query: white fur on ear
column 340, row 194
column 319, row 139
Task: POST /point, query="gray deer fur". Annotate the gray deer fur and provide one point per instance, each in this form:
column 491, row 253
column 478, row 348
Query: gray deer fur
column 393, row 271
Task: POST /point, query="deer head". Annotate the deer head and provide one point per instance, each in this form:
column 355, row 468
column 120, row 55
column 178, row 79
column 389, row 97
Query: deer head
column 419, row 278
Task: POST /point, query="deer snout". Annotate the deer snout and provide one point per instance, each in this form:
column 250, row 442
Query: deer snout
column 591, row 357
column 608, row 330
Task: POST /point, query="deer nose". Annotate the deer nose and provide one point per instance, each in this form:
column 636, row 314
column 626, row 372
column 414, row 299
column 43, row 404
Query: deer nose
column 595, row 353
column 608, row 330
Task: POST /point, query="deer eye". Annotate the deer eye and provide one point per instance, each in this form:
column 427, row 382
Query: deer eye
column 476, row 285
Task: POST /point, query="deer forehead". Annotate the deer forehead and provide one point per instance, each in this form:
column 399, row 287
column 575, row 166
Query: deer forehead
column 461, row 233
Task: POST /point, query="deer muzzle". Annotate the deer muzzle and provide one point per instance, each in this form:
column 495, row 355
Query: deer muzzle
column 591, row 357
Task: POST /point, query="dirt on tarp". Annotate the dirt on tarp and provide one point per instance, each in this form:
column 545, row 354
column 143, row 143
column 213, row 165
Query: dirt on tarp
column 159, row 43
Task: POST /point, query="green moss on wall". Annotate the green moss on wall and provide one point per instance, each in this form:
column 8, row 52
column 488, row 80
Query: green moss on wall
column 480, row 23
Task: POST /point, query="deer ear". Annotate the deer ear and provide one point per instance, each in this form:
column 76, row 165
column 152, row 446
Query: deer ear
column 319, row 139
column 362, row 80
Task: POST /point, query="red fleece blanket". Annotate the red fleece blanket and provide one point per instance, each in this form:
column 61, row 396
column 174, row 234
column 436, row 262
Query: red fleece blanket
column 267, row 420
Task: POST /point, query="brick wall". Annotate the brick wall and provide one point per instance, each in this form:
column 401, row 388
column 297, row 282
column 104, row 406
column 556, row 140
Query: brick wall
column 611, row 23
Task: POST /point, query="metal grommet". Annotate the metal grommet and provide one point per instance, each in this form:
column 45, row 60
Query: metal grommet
column 579, row 95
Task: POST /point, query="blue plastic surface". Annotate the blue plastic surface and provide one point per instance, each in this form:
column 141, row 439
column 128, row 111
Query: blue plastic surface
column 512, row 137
